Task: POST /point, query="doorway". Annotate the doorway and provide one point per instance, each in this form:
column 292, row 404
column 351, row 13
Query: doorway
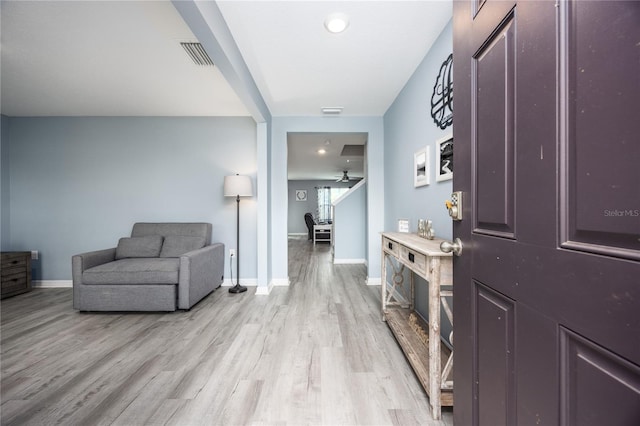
column 321, row 168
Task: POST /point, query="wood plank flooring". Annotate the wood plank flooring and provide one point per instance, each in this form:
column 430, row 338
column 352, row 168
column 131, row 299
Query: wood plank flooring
column 315, row 353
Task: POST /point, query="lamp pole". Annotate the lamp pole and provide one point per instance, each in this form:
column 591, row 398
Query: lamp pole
column 237, row 186
column 237, row 288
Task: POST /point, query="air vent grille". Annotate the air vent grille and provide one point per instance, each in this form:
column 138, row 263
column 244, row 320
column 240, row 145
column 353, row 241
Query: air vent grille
column 332, row 110
column 197, row 53
column 352, row 151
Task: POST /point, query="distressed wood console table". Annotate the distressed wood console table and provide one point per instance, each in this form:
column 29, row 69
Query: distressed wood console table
column 424, row 258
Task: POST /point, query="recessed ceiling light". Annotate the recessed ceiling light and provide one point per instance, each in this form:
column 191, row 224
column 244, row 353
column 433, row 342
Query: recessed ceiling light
column 322, row 151
column 336, row 23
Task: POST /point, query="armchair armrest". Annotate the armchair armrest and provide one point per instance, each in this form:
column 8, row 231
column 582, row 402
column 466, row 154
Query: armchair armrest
column 201, row 272
column 82, row 262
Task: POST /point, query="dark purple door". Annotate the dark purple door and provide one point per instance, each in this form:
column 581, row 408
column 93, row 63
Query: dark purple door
column 547, row 154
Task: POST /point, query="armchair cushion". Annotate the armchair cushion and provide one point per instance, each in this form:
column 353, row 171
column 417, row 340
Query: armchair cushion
column 134, row 271
column 177, row 245
column 148, row 246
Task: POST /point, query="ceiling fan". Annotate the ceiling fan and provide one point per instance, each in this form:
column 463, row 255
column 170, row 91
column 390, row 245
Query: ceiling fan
column 345, row 177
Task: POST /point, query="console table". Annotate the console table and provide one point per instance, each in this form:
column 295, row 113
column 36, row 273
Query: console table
column 424, row 350
column 16, row 273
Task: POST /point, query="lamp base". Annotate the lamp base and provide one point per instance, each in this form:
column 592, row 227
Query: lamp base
column 237, row 289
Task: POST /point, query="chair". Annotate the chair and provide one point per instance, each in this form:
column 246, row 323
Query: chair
column 161, row 267
column 308, row 219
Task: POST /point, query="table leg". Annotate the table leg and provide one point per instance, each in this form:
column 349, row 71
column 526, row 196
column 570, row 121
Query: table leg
column 434, row 338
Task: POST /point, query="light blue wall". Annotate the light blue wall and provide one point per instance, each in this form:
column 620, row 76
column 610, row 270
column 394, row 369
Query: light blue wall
column 5, row 220
column 375, row 172
column 350, row 225
column 297, row 209
column 408, row 126
column 78, row 184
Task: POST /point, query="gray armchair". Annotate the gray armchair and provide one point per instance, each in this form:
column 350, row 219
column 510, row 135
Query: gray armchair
column 162, row 267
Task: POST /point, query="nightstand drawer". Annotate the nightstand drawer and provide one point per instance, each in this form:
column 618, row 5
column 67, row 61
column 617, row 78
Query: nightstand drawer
column 11, row 261
column 14, row 282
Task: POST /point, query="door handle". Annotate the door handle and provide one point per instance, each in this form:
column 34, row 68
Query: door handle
column 454, row 246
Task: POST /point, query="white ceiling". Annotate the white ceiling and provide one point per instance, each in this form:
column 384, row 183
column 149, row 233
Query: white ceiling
column 123, row 58
column 300, row 67
column 105, row 58
column 305, row 163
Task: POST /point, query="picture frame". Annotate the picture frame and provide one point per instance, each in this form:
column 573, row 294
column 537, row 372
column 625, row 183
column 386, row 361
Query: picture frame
column 403, row 225
column 421, row 167
column 444, row 158
column 301, row 195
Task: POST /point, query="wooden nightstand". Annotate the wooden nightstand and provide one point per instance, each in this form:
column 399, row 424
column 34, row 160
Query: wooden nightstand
column 16, row 273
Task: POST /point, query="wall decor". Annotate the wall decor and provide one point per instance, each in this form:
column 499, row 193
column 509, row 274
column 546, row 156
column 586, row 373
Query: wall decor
column 301, row 195
column 421, row 169
column 442, row 98
column 444, row 158
column 403, row 225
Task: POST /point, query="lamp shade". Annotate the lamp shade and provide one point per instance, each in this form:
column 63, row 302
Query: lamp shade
column 237, row 186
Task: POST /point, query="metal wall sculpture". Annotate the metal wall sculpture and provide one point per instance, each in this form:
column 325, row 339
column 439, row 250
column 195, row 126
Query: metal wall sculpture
column 442, row 98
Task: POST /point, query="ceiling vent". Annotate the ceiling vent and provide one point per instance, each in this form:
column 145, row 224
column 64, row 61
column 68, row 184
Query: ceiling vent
column 332, row 110
column 352, row 151
column 197, row 53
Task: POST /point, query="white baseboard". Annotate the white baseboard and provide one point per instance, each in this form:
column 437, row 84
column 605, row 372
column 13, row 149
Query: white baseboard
column 374, row 281
column 349, row 261
column 279, row 282
column 262, row 290
column 248, row 282
column 52, row 284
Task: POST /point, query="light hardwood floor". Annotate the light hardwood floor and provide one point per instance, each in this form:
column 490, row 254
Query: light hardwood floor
column 315, row 352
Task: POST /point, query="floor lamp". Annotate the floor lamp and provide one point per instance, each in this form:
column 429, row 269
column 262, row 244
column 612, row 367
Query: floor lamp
column 237, row 186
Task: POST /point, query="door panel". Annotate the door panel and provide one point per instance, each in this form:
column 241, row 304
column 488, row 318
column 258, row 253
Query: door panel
column 546, row 153
column 598, row 387
column 493, row 75
column 495, row 352
column 597, row 93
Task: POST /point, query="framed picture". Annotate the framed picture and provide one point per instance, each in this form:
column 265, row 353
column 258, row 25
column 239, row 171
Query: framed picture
column 403, row 225
column 444, row 158
column 421, row 170
column 301, row 195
